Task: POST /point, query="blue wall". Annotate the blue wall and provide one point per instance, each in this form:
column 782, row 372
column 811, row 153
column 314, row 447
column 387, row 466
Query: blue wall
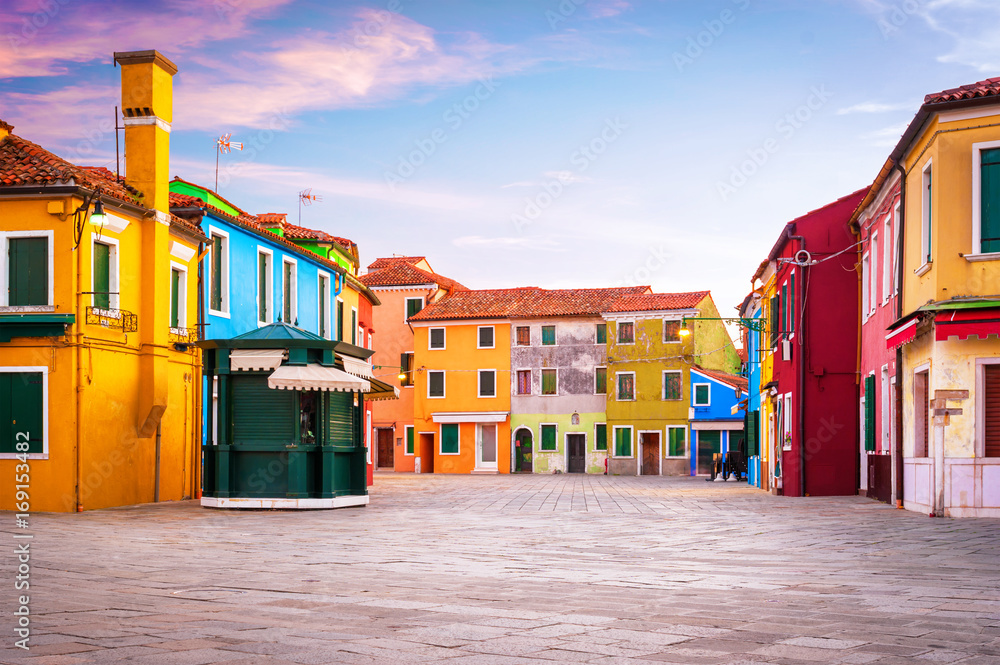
column 753, row 375
column 721, row 400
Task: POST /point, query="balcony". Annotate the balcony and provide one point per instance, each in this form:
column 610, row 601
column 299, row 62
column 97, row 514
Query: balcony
column 184, row 335
column 113, row 319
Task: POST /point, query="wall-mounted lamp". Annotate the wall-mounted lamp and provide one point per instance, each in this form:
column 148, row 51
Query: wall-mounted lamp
column 97, row 218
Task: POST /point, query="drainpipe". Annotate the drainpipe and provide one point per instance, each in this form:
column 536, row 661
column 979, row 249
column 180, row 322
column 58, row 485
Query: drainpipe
column 80, row 319
column 801, row 374
column 199, row 403
column 897, row 452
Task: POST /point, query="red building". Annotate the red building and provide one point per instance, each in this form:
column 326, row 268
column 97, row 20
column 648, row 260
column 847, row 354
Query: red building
column 814, row 343
column 366, row 334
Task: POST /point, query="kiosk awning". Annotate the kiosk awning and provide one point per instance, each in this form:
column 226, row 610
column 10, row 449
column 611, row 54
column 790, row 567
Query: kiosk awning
column 382, row 390
column 315, row 377
column 356, row 366
column 249, row 360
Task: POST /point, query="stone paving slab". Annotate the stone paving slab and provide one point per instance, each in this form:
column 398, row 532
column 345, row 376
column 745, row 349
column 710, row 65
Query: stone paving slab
column 513, row 569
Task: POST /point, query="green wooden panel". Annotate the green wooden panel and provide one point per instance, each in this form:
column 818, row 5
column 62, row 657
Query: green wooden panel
column 28, row 271
column 25, row 396
column 601, row 437
column 449, row 438
column 549, row 377
column 340, row 321
column 626, row 332
column 409, row 440
column 990, row 196
column 175, row 298
column 775, row 321
column 548, row 437
column 783, row 308
column 354, row 327
column 413, row 306
column 672, row 385
column 286, row 291
column 623, row 442
column 102, row 275
column 548, row 335
column 261, row 414
column 216, row 286
column 261, row 287
column 701, row 395
column 340, row 410
column 601, row 381
column 602, row 333
column 709, row 440
column 323, row 323
column 870, row 413
column 752, row 433
column 677, row 442
column 626, row 387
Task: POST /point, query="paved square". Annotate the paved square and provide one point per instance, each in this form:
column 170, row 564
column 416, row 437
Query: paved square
column 513, row 569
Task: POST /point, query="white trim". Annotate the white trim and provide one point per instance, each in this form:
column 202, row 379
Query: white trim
column 694, row 394
column 926, row 212
column 663, row 385
column 659, row 452
column 44, row 371
column 977, row 203
column 541, row 438
column 618, row 385
column 650, row 315
column 479, row 340
column 555, row 335
column 285, row 504
column 896, row 258
column 181, row 251
column 479, row 384
column 223, row 269
column 114, row 278
column 922, row 270
column 605, row 368
column 147, row 120
column 981, row 363
column 116, row 224
column 672, row 341
column 293, row 289
column 480, row 464
column 967, row 114
column 444, row 339
column 454, row 417
column 991, row 256
column 887, row 259
column 717, row 425
column 614, row 442
column 605, row 324
column 541, row 390
column 516, row 328
column 440, row 438
column 531, row 378
column 920, row 369
column 323, row 286
column 182, row 291
column 617, row 332
column 405, row 437
column 687, row 443
column 338, row 319
column 873, row 282
column 866, row 278
column 596, row 449
column 406, row 306
column 268, row 287
column 444, row 381
column 5, row 272
column 356, row 327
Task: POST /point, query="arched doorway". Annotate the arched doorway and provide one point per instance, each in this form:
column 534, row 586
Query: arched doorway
column 522, row 451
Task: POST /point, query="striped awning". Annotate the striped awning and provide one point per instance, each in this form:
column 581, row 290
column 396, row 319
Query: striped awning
column 315, row 377
column 381, row 391
column 965, row 323
column 249, row 360
column 903, row 334
column 356, row 366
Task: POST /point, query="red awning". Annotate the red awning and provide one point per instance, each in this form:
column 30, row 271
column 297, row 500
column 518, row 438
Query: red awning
column 902, row 335
column 965, row 323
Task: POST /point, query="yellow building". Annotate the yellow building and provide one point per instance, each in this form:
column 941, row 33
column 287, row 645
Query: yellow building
column 766, row 285
column 949, row 316
column 97, row 372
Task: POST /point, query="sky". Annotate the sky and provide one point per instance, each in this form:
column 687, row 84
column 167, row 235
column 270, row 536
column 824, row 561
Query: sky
column 551, row 143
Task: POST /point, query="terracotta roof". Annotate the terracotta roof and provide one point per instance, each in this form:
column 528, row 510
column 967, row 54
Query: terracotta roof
column 25, row 163
column 270, row 219
column 405, row 274
column 650, row 302
column 733, row 380
column 987, row 88
column 525, row 302
column 378, row 264
column 6, row 125
column 742, row 354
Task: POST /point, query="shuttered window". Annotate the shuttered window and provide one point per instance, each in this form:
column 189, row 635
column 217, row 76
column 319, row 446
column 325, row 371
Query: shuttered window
column 548, row 335
column 27, row 272
column 409, row 439
column 523, row 336
column 102, row 275
column 672, row 385
column 340, row 321
column 289, row 293
column 626, row 387
column 324, row 316
column 261, row 414
column 752, row 433
column 602, row 333
column 601, row 436
column 549, row 382
column 487, row 383
column 601, row 381
column 22, row 411
column 791, row 303
column 524, row 382
column 548, row 437
column 486, row 337
column 676, row 441
column 921, row 414
column 406, row 368
column 991, row 410
column 435, row 384
column 175, row 298
column 263, row 288
column 870, row 413
column 449, row 439
column 340, row 417
column 354, row 326
column 989, row 224
column 671, row 331
column 623, row 442
column 702, row 394
column 413, row 305
column 215, row 299
column 775, row 321
column 626, row 332
column 437, row 338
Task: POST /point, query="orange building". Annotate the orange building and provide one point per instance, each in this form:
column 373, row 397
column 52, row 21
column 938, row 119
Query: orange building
column 405, row 285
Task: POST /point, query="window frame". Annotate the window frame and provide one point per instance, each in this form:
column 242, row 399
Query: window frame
column 182, row 299
column 5, row 237
column 886, row 259
column 458, row 438
column 409, row 447
column 873, row 281
column 597, row 333
column 114, row 271
column 597, row 439
column 44, row 371
column 430, row 339
column 355, row 326
column 479, row 384
column 542, row 387
column 618, row 397
column 444, row 384
column 517, row 381
column 555, row 339
column 293, row 290
column 977, row 198
column 268, row 286
column 981, row 364
column 694, row 393
column 613, row 444
column 323, row 288
column 618, row 333
column 406, row 306
column 926, row 215
column 922, row 415
column 407, row 368
column 663, row 385
column 596, row 369
column 671, row 341
column 223, row 270
column 517, row 331
column 541, row 438
column 479, row 337
column 896, row 258
column 687, row 447
column 865, row 286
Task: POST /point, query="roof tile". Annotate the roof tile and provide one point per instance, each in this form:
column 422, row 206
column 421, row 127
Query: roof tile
column 406, row 274
column 526, row 302
column 987, row 88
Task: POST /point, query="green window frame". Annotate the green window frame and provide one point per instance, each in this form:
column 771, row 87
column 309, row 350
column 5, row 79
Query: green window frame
column 601, row 333
column 449, row 439
column 23, row 412
column 870, row 413
column 600, row 380
column 175, row 298
column 623, row 442
column 413, row 306
column 548, row 335
column 409, row 439
column 626, row 332
column 102, row 275
column 550, row 381
column 989, row 193
column 28, row 271
column 673, row 385
column 702, row 395
column 677, row 441
column 548, row 435
column 601, row 436
column 626, row 387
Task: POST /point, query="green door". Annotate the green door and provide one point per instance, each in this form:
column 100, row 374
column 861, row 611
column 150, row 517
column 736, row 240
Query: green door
column 102, row 275
column 28, row 272
column 709, row 443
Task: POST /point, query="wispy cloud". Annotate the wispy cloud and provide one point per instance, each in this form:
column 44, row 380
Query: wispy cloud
column 874, row 107
column 546, row 244
column 886, row 137
column 608, row 8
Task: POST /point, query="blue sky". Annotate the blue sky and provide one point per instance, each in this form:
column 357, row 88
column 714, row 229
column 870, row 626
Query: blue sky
column 579, row 143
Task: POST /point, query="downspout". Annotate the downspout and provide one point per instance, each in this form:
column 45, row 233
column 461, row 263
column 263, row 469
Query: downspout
column 801, row 374
column 860, row 234
column 80, row 318
column 199, row 403
column 897, row 453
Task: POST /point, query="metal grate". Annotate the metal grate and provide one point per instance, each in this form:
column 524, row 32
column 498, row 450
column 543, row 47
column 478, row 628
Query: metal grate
column 184, row 335
column 114, row 319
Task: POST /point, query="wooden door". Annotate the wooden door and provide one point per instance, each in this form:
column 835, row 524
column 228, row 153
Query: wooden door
column 649, row 443
column 577, row 448
column 385, row 452
column 709, row 443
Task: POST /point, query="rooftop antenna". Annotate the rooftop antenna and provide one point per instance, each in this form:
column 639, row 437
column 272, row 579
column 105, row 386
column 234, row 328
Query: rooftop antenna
column 223, row 144
column 306, row 197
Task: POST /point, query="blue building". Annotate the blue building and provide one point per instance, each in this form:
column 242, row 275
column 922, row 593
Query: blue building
column 716, row 416
column 751, row 309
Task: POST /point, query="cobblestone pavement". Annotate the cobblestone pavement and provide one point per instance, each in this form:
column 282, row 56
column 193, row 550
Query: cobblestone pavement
column 513, row 569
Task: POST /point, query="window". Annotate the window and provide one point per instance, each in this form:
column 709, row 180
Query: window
column 523, row 334
column 406, row 368
column 672, row 382
column 865, row 286
column 600, row 380
column 409, row 439
column 218, row 282
column 354, row 326
column 986, row 210
column 23, row 410
column 886, row 261
column 702, row 394
column 991, row 409
column 926, row 217
column 105, row 276
column 783, row 316
column 873, row 273
column 323, row 288
column 487, row 383
column 265, row 311
column 791, row 303
column 548, row 335
column 601, row 436
column 921, row 411
column 623, row 442
column 869, row 413
column 895, row 249
column 435, row 384
column 602, row 333
column 29, row 270
column 485, row 337
column 626, row 386
column 449, row 439
column 436, row 338
column 178, row 296
column 524, row 382
column 788, row 422
column 413, row 305
column 549, row 381
column 626, row 332
column 671, row 331
column 340, row 320
column 676, row 441
column 774, row 312
column 549, row 433
column 289, row 291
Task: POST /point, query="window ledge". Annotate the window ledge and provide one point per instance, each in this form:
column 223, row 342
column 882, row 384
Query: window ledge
column 922, row 270
column 991, row 256
column 27, row 309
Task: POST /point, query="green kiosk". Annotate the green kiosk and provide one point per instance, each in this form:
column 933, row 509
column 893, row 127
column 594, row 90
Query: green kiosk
column 286, row 425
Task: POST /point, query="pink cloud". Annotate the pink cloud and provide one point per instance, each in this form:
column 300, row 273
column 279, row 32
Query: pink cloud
column 608, row 8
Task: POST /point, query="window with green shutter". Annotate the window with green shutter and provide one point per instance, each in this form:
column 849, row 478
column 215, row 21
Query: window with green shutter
column 775, row 321
column 600, row 381
column 602, row 333
column 671, row 331
column 626, row 386
column 870, row 413
column 752, row 434
column 409, row 439
column 102, row 275
column 354, row 326
column 676, row 441
column 549, row 381
column 672, row 381
column 626, row 332
column 989, row 213
column 406, row 368
column 215, row 298
column 449, row 439
column 27, row 272
column 623, row 442
column 549, row 437
column 324, row 288
column 601, row 436
column 287, row 292
column 791, row 302
column 702, row 394
column 263, row 288
column 413, row 305
column 340, row 321
column 22, row 411
column 175, row 298
column 261, row 414
column 548, row 335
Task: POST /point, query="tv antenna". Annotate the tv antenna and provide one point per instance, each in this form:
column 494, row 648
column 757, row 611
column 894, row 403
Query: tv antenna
column 306, row 197
column 224, row 144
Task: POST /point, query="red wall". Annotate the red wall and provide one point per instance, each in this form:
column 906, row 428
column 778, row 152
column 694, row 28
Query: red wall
column 365, row 321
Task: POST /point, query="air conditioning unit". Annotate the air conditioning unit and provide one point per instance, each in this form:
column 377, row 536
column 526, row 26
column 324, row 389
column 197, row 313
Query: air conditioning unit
column 786, row 349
